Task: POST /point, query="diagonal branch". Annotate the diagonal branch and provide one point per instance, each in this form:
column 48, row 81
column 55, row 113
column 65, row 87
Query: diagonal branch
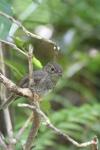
column 14, row 46
column 26, row 92
column 93, row 142
column 28, row 33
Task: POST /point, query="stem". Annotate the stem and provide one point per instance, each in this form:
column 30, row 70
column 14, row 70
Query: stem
column 34, row 130
column 3, row 95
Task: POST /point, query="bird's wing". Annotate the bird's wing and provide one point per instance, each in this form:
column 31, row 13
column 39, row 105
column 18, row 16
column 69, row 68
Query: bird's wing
column 38, row 76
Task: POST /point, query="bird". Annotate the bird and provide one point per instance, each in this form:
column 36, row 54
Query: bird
column 45, row 80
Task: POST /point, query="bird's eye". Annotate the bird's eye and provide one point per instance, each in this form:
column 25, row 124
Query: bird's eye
column 52, row 69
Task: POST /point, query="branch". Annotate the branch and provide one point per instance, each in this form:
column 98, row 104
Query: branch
column 36, row 116
column 27, row 93
column 14, row 46
column 30, row 56
column 33, row 131
column 93, row 142
column 14, row 88
column 28, row 33
column 7, row 123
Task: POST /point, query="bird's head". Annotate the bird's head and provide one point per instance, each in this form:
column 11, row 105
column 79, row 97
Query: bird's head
column 54, row 70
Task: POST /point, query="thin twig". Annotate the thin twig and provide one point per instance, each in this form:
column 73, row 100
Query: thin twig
column 59, row 132
column 14, row 46
column 34, row 129
column 3, row 96
column 31, row 75
column 36, row 116
column 46, row 119
column 28, row 33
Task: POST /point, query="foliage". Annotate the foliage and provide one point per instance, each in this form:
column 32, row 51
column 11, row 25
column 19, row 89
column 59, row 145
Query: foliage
column 74, row 105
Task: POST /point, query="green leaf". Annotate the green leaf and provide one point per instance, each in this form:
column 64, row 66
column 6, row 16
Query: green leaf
column 36, row 62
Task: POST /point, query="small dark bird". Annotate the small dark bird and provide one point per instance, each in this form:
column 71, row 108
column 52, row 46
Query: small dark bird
column 44, row 81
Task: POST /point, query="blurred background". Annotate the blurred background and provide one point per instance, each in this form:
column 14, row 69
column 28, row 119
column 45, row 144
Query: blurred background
column 74, row 105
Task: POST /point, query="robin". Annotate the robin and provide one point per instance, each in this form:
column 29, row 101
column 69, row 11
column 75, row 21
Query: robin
column 44, row 81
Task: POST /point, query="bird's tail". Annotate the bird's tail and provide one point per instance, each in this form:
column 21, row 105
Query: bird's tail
column 8, row 101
